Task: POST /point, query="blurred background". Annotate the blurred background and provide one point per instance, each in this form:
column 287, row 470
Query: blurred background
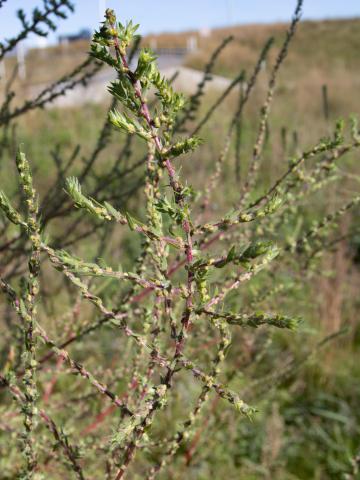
column 184, row 35
column 163, row 16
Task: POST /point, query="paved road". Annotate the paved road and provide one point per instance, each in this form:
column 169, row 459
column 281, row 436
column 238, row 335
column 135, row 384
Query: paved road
column 96, row 91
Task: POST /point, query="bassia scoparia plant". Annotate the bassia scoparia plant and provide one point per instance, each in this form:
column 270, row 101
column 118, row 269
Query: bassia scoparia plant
column 158, row 341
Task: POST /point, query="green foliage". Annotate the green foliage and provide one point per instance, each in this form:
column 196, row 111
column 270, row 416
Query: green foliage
column 8, row 209
column 186, row 344
column 184, row 146
column 145, row 64
column 124, row 122
column 73, row 188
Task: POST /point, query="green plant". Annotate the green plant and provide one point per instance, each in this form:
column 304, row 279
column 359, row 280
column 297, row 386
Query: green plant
column 181, row 295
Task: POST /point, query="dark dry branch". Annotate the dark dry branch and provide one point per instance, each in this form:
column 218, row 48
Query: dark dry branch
column 40, row 23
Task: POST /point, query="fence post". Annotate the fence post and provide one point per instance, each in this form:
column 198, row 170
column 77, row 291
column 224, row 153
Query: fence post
column 3, row 71
column 21, row 54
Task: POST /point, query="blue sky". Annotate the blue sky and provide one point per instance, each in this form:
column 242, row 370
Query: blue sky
column 177, row 15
